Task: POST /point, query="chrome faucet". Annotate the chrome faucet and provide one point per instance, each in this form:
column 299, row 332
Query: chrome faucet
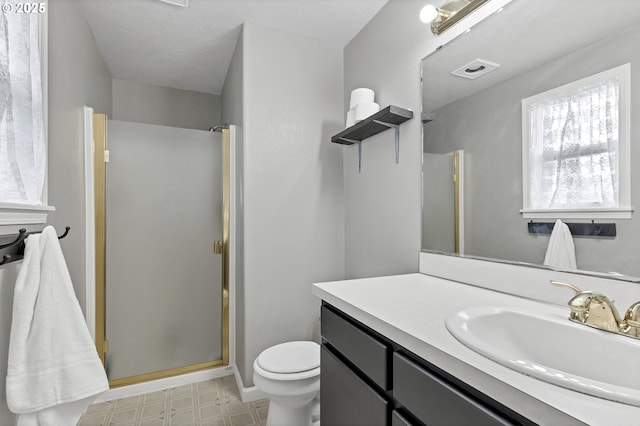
column 598, row 311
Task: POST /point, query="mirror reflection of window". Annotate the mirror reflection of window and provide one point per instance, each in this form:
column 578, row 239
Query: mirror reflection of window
column 575, row 145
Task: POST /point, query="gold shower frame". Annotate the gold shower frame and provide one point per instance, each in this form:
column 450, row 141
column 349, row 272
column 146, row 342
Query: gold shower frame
column 102, row 345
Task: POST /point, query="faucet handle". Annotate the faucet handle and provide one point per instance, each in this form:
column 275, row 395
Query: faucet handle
column 571, row 286
column 592, row 308
column 632, row 320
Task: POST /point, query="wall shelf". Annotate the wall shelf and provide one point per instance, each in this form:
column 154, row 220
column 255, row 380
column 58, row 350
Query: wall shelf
column 388, row 118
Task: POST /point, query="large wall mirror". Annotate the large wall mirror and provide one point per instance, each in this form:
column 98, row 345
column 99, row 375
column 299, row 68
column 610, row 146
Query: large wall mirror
column 538, row 46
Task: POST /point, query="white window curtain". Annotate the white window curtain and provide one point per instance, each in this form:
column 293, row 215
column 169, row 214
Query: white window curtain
column 573, row 155
column 22, row 144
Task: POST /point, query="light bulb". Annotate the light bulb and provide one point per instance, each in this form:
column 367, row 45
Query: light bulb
column 428, row 13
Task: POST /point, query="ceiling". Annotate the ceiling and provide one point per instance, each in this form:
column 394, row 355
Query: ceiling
column 157, row 43
column 519, row 38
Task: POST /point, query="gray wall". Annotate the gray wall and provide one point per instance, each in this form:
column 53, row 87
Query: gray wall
column 146, row 103
column 385, row 196
column 232, row 113
column 77, row 77
column 293, row 197
column 488, row 126
column 385, row 56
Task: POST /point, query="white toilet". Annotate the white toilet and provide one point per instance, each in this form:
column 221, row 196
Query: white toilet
column 289, row 374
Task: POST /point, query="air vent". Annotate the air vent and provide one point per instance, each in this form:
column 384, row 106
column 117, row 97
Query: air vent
column 181, row 3
column 475, row 69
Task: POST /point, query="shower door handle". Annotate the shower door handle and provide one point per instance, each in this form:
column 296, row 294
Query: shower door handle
column 217, row 247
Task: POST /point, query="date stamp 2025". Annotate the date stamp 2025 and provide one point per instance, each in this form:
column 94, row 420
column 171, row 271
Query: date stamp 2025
column 8, row 7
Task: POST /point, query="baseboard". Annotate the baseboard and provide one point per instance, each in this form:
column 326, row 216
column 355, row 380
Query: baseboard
column 247, row 394
column 162, row 384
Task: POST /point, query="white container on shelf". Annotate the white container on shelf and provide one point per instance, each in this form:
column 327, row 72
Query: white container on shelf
column 364, row 110
column 361, row 95
column 351, row 118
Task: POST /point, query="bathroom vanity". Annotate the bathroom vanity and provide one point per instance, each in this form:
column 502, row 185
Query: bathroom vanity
column 388, row 359
column 382, row 379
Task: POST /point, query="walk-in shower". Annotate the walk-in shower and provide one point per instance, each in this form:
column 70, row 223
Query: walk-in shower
column 162, row 261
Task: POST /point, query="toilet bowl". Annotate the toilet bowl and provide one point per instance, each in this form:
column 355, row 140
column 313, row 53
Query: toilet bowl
column 289, row 374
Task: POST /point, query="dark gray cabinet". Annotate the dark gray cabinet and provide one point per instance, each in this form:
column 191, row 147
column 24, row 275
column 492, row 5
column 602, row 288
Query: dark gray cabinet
column 434, row 401
column 354, row 373
column 347, row 400
column 397, row 419
column 366, row 379
column 369, row 354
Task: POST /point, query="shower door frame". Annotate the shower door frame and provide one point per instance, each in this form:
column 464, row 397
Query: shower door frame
column 101, row 156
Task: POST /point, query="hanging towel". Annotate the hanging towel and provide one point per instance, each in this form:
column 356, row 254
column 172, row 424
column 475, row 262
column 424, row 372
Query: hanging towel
column 54, row 372
column 561, row 253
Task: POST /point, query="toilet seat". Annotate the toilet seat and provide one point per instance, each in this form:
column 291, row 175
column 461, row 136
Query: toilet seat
column 290, row 358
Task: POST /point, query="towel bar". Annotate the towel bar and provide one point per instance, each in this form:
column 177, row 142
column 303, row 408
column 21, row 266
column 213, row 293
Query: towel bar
column 585, row 229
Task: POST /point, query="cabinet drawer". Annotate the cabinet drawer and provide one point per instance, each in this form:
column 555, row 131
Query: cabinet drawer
column 368, row 353
column 346, row 399
column 435, row 401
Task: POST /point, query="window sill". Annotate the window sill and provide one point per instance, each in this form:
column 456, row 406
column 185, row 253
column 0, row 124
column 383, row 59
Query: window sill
column 589, row 214
column 23, row 214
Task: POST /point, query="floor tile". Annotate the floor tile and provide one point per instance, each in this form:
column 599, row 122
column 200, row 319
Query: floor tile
column 208, row 403
column 242, row 419
column 124, row 416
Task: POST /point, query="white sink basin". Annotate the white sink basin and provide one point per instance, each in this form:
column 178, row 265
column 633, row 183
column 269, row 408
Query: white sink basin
column 547, row 346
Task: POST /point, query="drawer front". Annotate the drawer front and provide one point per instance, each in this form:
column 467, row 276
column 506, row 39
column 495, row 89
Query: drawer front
column 346, row 399
column 435, row 401
column 368, row 353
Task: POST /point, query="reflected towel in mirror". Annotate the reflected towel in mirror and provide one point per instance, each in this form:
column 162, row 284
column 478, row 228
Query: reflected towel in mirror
column 561, row 252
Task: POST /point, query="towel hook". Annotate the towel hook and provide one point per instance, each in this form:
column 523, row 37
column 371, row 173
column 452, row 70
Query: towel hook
column 22, row 234
column 66, row 231
column 597, row 229
column 19, row 242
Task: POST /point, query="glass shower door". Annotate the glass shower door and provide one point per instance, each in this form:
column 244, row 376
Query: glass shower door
column 442, row 202
column 163, row 281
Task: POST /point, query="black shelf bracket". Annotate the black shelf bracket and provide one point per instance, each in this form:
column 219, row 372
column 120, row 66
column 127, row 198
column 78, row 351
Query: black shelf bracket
column 388, row 118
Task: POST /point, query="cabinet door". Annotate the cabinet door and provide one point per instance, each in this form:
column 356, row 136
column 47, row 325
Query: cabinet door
column 366, row 352
column 434, row 401
column 346, row 399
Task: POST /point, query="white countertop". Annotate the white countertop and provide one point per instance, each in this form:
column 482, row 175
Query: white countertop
column 411, row 309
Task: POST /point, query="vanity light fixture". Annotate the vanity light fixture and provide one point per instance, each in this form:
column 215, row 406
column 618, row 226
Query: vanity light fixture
column 449, row 14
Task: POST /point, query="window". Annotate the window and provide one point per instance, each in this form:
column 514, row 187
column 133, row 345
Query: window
column 575, row 149
column 23, row 154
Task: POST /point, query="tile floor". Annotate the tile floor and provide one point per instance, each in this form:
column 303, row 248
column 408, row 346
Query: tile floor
column 210, row 403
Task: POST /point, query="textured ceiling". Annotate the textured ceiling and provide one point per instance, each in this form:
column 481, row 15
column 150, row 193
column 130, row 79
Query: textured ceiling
column 190, row 48
column 520, row 37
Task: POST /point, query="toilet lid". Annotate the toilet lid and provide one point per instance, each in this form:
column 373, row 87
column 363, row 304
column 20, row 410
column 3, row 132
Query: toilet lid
column 290, row 357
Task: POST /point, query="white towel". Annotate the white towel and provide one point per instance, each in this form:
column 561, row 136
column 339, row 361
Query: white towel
column 54, row 371
column 561, row 253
